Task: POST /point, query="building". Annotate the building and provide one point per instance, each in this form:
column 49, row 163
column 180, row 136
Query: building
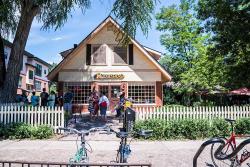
column 99, row 62
column 33, row 75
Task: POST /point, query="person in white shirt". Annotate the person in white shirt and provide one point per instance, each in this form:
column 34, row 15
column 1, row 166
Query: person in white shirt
column 103, row 103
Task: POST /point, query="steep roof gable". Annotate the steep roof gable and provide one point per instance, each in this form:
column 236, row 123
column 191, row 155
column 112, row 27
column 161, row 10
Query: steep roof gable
column 53, row 73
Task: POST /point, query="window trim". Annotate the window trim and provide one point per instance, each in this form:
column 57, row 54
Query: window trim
column 32, row 75
column 143, row 84
column 92, row 49
column 67, row 84
column 41, row 70
column 113, row 56
column 40, row 85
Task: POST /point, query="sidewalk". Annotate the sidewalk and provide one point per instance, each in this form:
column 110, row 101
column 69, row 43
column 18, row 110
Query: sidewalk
column 159, row 153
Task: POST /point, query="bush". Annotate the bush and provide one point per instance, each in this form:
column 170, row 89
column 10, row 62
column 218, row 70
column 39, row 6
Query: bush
column 43, row 132
column 191, row 129
column 22, row 131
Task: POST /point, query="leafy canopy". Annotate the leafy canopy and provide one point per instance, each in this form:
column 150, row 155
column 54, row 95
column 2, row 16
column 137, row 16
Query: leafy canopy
column 186, row 49
column 229, row 22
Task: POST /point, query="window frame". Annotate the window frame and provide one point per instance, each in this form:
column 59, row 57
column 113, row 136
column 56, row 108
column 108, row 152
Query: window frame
column 82, row 97
column 36, row 81
column 30, row 75
column 92, row 53
column 113, row 56
column 38, row 71
column 20, row 80
column 142, row 92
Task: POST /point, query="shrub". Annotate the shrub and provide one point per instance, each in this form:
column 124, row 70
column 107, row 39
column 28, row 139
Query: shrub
column 22, row 131
column 242, row 126
column 192, row 129
column 43, row 132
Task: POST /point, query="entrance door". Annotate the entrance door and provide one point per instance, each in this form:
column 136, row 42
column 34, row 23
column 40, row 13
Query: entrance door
column 111, row 91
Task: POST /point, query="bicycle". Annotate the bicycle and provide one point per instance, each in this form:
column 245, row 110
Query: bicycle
column 224, row 152
column 229, row 147
column 124, row 150
column 81, row 155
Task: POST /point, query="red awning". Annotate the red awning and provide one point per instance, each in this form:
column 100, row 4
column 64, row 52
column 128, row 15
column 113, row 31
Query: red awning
column 241, row 91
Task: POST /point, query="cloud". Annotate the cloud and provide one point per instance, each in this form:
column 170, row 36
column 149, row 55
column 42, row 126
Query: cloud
column 57, row 38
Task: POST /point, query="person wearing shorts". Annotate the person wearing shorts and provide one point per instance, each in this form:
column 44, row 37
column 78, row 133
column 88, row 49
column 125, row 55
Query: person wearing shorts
column 103, row 103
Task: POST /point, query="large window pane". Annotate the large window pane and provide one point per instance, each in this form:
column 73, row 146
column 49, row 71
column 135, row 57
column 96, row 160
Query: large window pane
column 38, row 70
column 31, row 74
column 142, row 93
column 80, row 90
column 98, row 55
column 120, row 55
column 38, row 85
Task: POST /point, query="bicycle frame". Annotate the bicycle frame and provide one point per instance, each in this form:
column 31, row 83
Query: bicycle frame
column 81, row 154
column 232, row 140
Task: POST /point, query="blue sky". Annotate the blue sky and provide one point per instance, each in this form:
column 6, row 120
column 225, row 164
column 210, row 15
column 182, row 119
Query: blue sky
column 48, row 44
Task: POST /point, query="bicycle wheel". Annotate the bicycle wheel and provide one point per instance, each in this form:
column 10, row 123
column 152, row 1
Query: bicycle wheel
column 204, row 159
column 228, row 149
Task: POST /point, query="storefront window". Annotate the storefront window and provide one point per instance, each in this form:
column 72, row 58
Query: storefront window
column 142, row 93
column 80, row 90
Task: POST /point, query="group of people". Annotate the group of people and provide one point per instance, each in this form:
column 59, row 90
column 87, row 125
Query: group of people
column 45, row 99
column 96, row 104
column 102, row 104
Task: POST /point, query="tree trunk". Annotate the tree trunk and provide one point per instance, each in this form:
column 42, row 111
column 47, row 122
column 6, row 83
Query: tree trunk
column 9, row 90
column 2, row 62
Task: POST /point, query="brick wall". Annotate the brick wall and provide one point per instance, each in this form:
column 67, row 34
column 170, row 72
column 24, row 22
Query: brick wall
column 158, row 96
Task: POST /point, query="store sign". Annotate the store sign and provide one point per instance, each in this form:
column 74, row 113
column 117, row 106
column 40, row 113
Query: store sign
column 109, row 76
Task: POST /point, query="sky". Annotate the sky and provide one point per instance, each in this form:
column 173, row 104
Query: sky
column 48, row 44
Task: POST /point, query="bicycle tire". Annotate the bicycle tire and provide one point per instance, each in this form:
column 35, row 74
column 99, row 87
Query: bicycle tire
column 226, row 150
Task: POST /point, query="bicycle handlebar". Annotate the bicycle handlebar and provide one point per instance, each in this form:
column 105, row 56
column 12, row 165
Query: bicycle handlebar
column 83, row 132
column 144, row 133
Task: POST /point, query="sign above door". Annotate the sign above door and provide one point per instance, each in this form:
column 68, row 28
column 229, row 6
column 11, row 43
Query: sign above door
column 101, row 76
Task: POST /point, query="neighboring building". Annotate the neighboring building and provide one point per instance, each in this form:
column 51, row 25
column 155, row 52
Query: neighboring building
column 33, row 75
column 100, row 63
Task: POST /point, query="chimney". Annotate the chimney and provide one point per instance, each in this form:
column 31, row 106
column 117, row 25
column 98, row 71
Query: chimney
column 75, row 45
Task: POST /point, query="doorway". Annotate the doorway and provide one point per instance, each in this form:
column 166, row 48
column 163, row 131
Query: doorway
column 111, row 90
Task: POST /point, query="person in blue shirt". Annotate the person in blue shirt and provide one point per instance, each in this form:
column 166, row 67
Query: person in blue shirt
column 34, row 99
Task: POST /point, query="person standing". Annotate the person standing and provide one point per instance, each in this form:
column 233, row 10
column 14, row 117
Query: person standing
column 34, row 99
column 67, row 104
column 96, row 103
column 52, row 99
column 24, row 99
column 120, row 107
column 91, row 106
column 103, row 103
column 44, row 97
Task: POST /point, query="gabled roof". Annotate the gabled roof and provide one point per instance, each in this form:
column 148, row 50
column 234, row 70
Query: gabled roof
column 26, row 53
column 54, row 72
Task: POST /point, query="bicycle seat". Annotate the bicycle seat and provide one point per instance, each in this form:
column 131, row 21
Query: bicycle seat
column 230, row 120
column 122, row 134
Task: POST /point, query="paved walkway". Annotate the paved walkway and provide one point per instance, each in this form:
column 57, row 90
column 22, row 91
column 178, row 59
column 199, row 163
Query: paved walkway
column 160, row 154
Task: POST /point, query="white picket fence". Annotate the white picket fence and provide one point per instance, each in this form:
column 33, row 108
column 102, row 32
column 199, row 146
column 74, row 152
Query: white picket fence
column 34, row 116
column 175, row 113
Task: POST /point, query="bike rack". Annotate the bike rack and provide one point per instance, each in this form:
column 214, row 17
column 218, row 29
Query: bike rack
column 206, row 143
column 61, row 164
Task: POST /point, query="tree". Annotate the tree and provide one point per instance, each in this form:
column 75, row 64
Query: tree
column 53, row 14
column 187, row 46
column 229, row 23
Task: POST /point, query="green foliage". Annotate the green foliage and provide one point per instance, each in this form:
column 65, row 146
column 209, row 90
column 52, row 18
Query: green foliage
column 22, row 131
column 243, row 126
column 192, row 129
column 187, row 47
column 229, row 23
column 134, row 13
column 43, row 132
